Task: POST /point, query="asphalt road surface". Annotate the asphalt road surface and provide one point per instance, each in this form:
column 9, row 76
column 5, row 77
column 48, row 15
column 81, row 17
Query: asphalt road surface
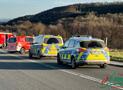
column 17, row 72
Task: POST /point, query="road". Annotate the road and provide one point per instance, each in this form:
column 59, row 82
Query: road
column 17, row 72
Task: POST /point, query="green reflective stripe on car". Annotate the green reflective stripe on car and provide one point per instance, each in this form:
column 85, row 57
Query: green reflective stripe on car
column 69, row 56
column 65, row 56
column 62, row 56
column 80, row 55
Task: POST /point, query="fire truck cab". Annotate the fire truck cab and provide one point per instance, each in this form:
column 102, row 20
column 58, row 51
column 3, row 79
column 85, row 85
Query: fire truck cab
column 4, row 37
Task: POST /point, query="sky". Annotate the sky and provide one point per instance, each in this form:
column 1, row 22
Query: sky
column 10, row 9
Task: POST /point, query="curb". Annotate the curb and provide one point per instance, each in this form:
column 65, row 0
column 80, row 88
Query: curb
column 117, row 61
column 114, row 63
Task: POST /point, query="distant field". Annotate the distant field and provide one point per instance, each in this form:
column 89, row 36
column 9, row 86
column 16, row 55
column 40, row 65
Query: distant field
column 117, row 55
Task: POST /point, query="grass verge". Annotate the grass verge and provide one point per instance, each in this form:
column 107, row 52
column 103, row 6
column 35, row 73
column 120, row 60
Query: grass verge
column 116, row 55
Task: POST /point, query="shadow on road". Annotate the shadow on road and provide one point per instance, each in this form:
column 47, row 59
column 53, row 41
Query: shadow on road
column 30, row 66
column 23, row 63
column 22, row 66
column 36, row 66
column 9, row 58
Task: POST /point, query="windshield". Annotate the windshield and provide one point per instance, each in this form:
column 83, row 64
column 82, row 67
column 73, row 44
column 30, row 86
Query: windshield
column 12, row 40
column 29, row 39
column 52, row 40
column 92, row 44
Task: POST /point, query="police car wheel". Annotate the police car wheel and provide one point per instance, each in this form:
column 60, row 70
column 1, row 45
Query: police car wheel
column 30, row 55
column 39, row 55
column 102, row 65
column 59, row 62
column 22, row 51
column 73, row 63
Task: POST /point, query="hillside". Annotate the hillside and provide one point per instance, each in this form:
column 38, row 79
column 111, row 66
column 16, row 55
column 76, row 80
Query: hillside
column 19, row 19
column 52, row 15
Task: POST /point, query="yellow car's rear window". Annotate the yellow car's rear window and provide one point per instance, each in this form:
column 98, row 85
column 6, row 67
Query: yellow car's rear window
column 53, row 40
column 92, row 44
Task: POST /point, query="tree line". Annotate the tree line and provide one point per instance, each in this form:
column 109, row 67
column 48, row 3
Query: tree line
column 101, row 26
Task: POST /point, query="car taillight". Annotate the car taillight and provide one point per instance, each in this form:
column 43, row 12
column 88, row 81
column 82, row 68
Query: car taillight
column 106, row 49
column 81, row 50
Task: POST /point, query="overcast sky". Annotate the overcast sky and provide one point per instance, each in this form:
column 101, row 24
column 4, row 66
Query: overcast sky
column 15, row 8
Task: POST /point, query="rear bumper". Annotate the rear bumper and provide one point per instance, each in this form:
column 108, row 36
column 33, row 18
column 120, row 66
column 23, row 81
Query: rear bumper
column 52, row 55
column 94, row 62
column 12, row 49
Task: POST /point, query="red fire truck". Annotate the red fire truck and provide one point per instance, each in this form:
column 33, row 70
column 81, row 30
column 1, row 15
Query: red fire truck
column 4, row 37
column 19, row 43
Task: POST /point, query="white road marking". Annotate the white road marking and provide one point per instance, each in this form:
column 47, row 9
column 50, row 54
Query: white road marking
column 82, row 76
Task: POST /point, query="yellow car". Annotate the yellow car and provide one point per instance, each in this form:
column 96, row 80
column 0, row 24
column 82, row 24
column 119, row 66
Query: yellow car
column 82, row 50
column 45, row 45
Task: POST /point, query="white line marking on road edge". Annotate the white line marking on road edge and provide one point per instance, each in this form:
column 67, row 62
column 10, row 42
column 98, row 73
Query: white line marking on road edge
column 82, row 76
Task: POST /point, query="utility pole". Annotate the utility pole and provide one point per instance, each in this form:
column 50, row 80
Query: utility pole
column 106, row 41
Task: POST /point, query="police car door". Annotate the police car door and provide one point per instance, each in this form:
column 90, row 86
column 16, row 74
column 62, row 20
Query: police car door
column 68, row 51
column 37, row 45
column 71, row 49
column 63, row 50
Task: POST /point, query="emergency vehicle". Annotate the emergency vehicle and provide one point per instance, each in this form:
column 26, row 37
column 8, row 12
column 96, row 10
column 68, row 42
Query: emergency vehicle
column 19, row 43
column 81, row 50
column 4, row 37
column 45, row 45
